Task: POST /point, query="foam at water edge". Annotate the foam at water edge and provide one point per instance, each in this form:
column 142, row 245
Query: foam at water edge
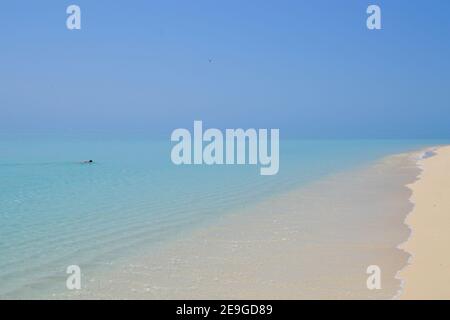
column 418, row 158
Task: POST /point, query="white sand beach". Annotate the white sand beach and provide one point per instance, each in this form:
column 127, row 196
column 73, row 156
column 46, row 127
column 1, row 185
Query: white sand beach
column 428, row 274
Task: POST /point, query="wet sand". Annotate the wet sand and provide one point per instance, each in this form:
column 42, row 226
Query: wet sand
column 428, row 275
column 312, row 243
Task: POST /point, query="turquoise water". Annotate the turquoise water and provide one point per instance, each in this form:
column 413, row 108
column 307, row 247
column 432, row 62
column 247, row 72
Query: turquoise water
column 55, row 211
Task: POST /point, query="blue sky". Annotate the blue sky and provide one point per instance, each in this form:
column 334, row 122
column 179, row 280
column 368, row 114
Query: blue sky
column 310, row 68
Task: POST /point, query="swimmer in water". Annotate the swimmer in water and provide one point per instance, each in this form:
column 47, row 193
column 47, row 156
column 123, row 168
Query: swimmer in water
column 87, row 161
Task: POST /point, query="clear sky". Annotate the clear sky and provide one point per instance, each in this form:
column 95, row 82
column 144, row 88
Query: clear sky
column 310, row 68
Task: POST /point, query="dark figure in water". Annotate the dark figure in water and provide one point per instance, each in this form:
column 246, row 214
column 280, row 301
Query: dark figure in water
column 88, row 161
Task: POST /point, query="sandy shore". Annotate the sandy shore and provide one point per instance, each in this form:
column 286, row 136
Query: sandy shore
column 428, row 274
